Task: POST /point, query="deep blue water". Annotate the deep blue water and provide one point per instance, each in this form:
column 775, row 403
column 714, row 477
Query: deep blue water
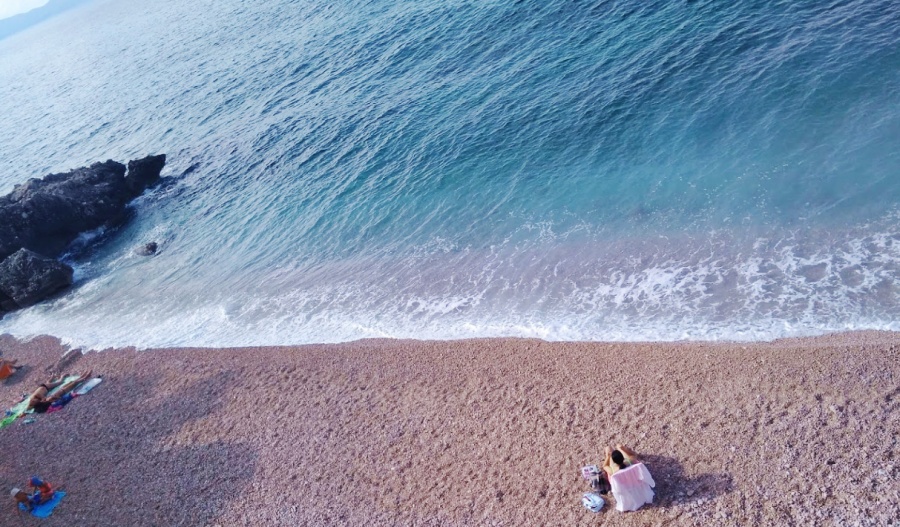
column 614, row 170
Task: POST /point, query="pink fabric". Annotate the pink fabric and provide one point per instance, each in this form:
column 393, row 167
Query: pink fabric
column 56, row 408
column 632, row 487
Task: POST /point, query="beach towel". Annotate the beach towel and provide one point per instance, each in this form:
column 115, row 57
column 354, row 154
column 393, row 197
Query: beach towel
column 14, row 413
column 45, row 509
column 632, row 487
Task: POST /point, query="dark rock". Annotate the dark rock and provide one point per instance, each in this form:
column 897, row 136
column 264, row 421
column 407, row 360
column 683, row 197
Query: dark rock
column 45, row 215
column 42, row 217
column 26, row 278
column 6, row 304
column 144, row 173
column 148, row 249
column 190, row 169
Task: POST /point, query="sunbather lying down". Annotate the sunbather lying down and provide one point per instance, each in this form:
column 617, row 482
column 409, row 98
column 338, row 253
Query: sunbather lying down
column 40, row 402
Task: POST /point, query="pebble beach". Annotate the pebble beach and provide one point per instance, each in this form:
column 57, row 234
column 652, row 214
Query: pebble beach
column 472, row 432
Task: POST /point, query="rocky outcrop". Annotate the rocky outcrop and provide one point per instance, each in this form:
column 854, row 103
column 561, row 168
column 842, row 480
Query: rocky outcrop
column 45, row 215
column 26, row 278
column 143, row 173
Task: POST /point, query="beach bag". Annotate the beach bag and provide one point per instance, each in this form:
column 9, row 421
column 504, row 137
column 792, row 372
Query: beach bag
column 596, row 478
column 592, row 502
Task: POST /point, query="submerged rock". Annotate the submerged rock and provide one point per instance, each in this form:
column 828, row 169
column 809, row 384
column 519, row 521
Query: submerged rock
column 148, row 249
column 6, row 304
column 26, row 278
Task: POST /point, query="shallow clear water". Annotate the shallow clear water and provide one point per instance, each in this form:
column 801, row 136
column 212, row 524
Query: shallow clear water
column 612, row 170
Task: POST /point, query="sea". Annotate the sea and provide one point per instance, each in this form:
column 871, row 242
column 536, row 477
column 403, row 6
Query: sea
column 612, row 170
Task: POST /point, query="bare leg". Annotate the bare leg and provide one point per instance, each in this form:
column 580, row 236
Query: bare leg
column 607, row 461
column 52, row 384
column 629, row 453
column 69, row 386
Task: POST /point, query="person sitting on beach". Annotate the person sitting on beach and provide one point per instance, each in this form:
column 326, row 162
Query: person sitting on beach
column 40, row 402
column 621, row 457
column 20, row 496
column 7, row 368
column 631, row 482
column 43, row 492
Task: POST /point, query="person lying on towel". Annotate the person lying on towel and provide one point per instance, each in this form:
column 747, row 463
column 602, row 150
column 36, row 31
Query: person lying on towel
column 40, row 401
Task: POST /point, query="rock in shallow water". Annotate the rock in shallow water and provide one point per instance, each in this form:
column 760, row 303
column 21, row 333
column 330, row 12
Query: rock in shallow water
column 43, row 216
column 26, row 278
column 148, row 249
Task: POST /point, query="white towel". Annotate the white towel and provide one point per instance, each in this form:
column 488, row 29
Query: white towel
column 632, row 487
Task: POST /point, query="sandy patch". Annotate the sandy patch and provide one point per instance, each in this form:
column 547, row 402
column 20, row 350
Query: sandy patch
column 481, row 432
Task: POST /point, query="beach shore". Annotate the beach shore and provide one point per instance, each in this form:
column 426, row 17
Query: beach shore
column 476, row 432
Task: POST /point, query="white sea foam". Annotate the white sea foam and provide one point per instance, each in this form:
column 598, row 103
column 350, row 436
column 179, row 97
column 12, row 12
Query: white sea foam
column 806, row 284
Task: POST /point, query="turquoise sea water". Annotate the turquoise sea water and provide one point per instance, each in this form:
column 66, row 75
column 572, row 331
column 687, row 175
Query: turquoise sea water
column 614, row 170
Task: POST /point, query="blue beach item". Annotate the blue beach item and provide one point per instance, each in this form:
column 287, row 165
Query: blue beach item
column 45, row 509
column 62, row 401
